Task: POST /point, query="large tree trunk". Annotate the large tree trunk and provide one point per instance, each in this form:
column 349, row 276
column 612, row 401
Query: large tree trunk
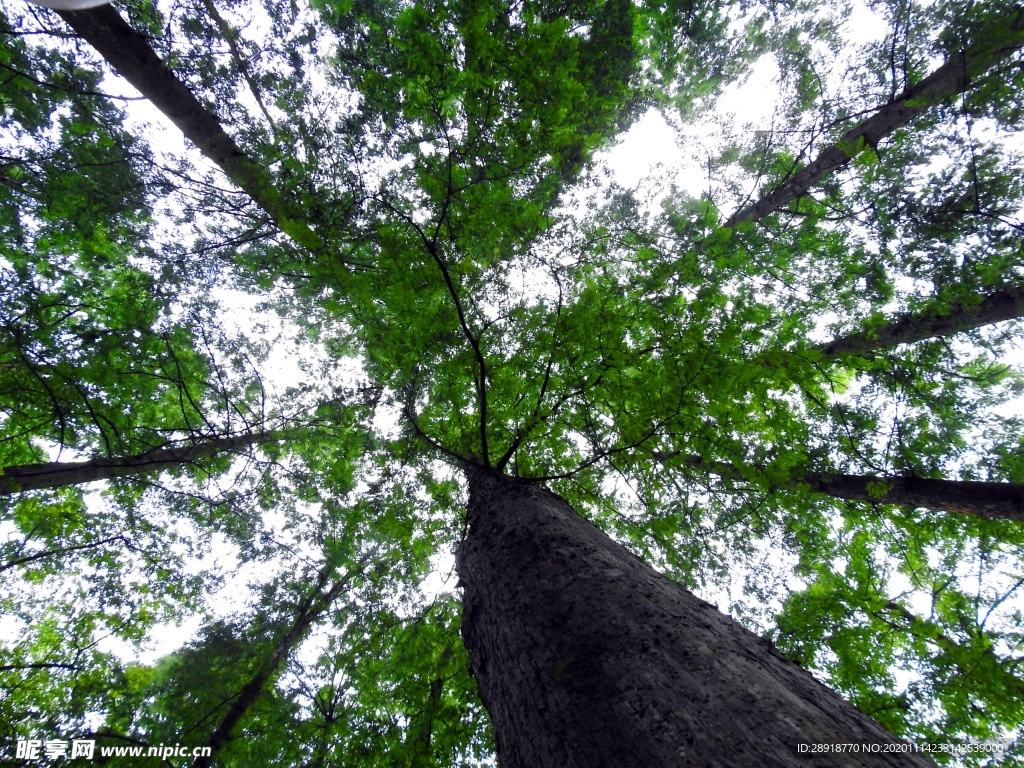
column 587, row 657
column 995, row 44
column 59, row 474
column 932, row 322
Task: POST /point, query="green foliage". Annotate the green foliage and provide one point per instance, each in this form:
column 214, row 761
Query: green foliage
column 486, row 294
column 890, row 623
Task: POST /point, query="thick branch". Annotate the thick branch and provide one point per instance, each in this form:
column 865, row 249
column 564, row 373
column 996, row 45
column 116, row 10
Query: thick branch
column 132, row 57
column 478, row 355
column 930, row 323
column 952, row 78
column 480, row 363
column 58, row 474
column 997, row 501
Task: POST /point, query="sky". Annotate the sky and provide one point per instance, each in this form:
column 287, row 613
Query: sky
column 647, row 154
column 650, row 151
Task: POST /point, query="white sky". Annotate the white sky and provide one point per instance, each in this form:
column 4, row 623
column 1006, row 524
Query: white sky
column 651, row 149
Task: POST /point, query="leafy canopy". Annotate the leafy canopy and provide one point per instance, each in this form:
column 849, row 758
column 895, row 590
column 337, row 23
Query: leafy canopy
column 446, row 273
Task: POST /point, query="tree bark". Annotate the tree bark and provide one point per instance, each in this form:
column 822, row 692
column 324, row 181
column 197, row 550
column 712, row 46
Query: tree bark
column 996, row 501
column 587, row 657
column 952, row 78
column 1006, row 303
column 59, row 474
column 132, row 57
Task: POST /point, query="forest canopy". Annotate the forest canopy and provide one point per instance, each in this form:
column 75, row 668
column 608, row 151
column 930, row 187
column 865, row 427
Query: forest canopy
column 276, row 278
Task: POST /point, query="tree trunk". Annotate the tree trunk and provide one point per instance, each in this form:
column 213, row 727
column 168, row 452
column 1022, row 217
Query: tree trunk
column 996, row 501
column 420, row 732
column 950, row 79
column 996, row 306
column 315, row 606
column 132, row 57
column 587, row 657
column 59, row 474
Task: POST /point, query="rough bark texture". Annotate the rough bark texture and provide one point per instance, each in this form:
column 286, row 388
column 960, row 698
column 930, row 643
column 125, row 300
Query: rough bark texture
column 58, row 474
column 994, row 307
column 950, row 79
column 132, row 57
column 587, row 657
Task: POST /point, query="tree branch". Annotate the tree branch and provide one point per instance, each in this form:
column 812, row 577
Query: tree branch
column 310, row 610
column 59, row 474
column 132, row 57
column 58, row 551
column 952, row 78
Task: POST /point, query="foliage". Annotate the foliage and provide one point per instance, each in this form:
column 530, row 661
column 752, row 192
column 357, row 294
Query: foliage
column 485, row 293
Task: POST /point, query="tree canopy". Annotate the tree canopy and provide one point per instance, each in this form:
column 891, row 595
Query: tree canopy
column 784, row 370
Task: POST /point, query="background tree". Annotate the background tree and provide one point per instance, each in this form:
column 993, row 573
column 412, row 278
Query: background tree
column 414, row 187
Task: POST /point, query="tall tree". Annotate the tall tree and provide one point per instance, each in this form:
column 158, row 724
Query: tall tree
column 585, row 654
column 451, row 247
column 57, row 474
column 955, row 75
column 942, row 321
